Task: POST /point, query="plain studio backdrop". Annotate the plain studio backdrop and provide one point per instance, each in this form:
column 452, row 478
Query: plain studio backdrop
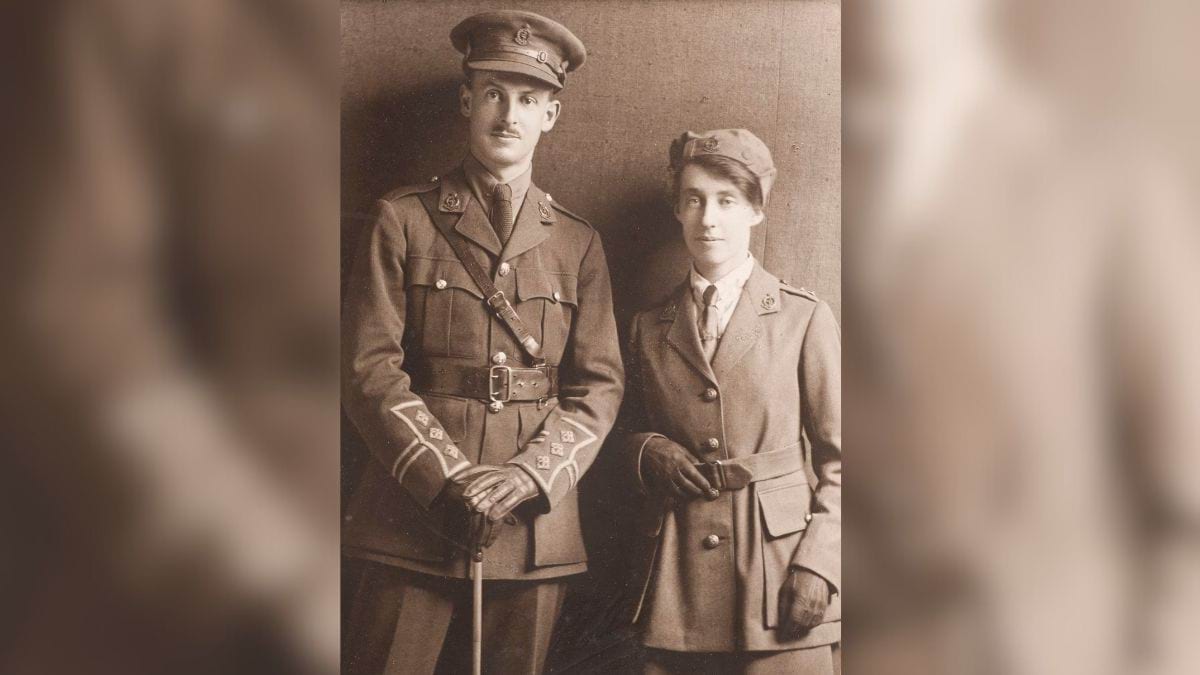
column 654, row 70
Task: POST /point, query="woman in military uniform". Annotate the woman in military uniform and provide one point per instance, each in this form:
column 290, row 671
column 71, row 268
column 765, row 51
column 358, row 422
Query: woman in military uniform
column 734, row 438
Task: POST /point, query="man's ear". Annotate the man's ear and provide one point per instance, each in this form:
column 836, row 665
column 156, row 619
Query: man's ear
column 552, row 112
column 464, row 100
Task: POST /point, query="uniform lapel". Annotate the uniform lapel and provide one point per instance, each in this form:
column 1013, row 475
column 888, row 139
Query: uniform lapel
column 456, row 197
column 683, row 334
column 760, row 296
column 532, row 224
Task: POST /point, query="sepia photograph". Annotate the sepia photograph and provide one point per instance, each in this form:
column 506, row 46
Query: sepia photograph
column 408, row 336
column 591, row 344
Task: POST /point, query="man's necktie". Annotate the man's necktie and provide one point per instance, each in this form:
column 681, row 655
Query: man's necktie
column 502, row 212
column 710, row 320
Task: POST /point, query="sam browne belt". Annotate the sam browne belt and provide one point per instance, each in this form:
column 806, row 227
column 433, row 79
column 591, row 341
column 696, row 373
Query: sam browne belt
column 494, row 384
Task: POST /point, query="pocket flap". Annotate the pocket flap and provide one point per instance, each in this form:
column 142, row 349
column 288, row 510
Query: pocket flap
column 784, row 509
column 429, row 271
column 534, row 283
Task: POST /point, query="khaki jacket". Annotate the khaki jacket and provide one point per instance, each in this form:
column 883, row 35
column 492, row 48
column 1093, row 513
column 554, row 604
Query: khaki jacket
column 774, row 385
column 410, row 301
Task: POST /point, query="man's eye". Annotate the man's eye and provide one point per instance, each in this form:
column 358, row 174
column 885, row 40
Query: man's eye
column 493, row 95
column 529, row 100
column 693, row 201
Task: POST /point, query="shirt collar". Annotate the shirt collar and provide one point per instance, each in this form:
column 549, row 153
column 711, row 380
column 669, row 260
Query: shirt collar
column 482, row 183
column 728, row 286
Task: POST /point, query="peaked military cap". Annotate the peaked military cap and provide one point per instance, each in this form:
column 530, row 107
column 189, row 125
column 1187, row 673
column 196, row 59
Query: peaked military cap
column 737, row 144
column 519, row 42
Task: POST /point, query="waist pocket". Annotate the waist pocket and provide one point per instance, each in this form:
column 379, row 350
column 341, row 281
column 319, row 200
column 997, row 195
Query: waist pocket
column 784, row 517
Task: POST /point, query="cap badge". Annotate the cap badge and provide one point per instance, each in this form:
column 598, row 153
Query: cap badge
column 768, row 302
column 452, row 201
column 710, row 145
column 542, row 56
column 544, row 210
column 522, row 36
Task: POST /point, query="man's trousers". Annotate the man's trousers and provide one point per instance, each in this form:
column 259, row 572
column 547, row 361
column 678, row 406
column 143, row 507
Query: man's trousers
column 406, row 622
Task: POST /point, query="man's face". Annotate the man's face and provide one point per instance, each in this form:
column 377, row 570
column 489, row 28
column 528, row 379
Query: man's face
column 508, row 115
column 716, row 219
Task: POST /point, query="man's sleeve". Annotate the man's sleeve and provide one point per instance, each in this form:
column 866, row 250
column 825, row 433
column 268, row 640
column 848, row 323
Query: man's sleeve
column 820, row 548
column 398, row 427
column 632, row 422
column 592, row 380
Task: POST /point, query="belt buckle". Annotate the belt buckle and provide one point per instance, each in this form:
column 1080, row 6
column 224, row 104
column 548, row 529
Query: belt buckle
column 497, row 301
column 716, row 472
column 492, row 377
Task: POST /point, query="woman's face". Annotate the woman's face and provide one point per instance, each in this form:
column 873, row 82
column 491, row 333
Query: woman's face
column 716, row 219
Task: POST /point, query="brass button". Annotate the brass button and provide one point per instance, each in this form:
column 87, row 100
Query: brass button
column 495, row 407
column 712, row 541
column 808, row 517
column 710, row 394
column 440, row 283
column 499, row 358
column 505, row 268
column 557, row 296
column 713, row 443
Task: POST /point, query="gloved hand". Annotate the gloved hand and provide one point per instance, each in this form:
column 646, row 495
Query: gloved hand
column 802, row 602
column 498, row 492
column 671, row 471
column 471, row 528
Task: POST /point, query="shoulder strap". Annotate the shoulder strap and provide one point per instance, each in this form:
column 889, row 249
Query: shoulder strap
column 494, row 297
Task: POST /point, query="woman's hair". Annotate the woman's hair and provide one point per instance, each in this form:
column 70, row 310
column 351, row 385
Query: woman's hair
column 719, row 167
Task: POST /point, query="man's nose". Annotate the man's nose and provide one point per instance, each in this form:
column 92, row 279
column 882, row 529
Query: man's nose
column 708, row 218
column 508, row 111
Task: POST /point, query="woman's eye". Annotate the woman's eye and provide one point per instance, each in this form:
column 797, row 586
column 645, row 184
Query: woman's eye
column 693, row 201
column 493, row 95
column 728, row 202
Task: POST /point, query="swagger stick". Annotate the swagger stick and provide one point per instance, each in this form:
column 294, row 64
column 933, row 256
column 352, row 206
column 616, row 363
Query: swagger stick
column 477, row 612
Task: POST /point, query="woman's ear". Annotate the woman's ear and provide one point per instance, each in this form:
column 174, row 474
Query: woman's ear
column 758, row 216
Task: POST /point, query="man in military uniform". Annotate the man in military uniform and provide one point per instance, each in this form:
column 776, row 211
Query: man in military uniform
column 483, row 407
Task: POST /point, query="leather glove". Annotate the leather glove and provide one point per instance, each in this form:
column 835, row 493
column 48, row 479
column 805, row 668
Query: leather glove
column 469, row 527
column 671, row 471
column 803, row 601
column 496, row 493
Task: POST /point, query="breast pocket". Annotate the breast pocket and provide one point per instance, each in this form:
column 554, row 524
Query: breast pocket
column 454, row 321
column 547, row 304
